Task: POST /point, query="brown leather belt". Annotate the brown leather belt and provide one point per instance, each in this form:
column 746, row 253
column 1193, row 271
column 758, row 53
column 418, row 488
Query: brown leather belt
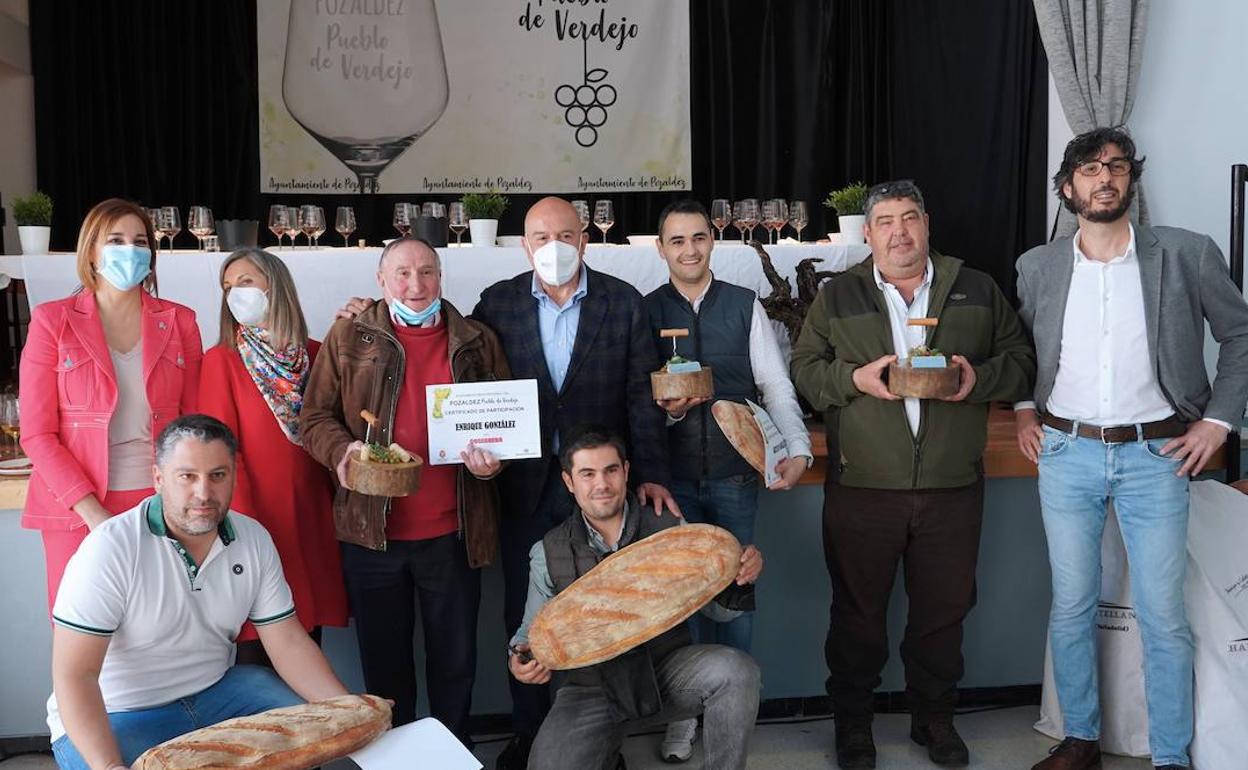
column 1119, row 434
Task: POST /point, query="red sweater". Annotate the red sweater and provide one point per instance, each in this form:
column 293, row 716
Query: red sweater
column 431, row 512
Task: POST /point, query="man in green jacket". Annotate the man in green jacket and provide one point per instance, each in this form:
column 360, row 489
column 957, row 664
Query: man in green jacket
column 909, row 482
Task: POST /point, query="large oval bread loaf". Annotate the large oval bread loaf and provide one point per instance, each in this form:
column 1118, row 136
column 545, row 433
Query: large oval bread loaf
column 634, row 595
column 742, row 431
column 290, row 738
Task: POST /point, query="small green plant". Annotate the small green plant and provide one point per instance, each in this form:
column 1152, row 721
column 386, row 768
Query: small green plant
column 848, row 200
column 924, row 350
column 487, row 205
column 33, row 210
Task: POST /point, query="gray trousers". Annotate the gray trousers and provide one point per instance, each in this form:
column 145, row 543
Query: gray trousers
column 719, row 682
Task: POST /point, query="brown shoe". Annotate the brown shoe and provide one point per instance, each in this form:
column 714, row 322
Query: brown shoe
column 1072, row 754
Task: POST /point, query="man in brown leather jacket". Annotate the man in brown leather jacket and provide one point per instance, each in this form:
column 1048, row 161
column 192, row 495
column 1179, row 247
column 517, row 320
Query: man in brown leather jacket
column 425, row 548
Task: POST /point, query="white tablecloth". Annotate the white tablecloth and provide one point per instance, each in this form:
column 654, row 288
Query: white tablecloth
column 326, row 277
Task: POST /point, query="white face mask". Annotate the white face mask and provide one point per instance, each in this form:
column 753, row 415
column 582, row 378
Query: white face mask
column 556, row 262
column 248, row 304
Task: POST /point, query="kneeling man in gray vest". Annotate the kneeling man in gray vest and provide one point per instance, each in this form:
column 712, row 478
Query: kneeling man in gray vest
column 667, row 678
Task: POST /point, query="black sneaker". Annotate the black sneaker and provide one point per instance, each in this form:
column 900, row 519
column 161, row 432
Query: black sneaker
column 515, row 756
column 944, row 746
column 855, row 746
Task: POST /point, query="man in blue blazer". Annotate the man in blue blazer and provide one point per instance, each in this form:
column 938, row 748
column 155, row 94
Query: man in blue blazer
column 585, row 337
column 1124, row 410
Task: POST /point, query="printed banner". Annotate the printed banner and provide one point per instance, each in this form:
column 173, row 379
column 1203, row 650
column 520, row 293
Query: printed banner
column 522, row 96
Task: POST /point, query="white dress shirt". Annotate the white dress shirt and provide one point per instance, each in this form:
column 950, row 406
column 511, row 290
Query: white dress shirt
column 771, row 377
column 1105, row 374
column 906, row 337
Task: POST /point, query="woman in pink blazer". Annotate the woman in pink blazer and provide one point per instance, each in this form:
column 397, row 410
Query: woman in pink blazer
column 102, row 372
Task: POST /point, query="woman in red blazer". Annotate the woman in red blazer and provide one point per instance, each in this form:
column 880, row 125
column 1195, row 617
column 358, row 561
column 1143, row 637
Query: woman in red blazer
column 102, row 372
column 253, row 381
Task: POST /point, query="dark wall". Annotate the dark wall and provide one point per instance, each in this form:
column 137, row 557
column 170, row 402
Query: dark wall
column 156, row 101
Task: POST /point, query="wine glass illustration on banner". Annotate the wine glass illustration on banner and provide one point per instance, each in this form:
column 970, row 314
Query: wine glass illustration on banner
column 457, row 221
column 585, row 105
column 279, row 222
column 344, row 223
column 798, row 217
column 721, row 215
column 199, row 222
column 582, row 213
column 366, row 106
column 604, row 217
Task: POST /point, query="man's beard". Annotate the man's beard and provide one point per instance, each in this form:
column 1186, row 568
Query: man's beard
column 196, row 525
column 1083, row 206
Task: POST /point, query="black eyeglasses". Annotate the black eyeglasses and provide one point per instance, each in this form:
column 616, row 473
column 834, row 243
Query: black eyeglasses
column 1117, row 167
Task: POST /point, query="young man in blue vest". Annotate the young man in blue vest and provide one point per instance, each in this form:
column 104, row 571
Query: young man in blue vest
column 730, row 332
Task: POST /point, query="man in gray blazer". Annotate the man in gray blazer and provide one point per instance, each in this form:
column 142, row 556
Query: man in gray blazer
column 1123, row 410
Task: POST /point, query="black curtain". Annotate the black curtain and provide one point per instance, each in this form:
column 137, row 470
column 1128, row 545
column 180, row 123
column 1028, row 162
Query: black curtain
column 157, row 101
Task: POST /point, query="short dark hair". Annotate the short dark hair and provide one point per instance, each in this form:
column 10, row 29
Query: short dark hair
column 683, row 206
column 1087, row 146
column 591, row 437
column 200, row 427
column 392, row 245
column 899, row 189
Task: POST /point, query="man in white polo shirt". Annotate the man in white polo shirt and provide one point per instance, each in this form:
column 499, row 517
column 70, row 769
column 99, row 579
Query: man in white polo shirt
column 149, row 607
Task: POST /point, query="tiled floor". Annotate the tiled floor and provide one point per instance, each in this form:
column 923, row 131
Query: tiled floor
column 999, row 740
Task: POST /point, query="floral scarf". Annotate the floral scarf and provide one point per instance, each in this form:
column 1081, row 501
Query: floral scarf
column 280, row 375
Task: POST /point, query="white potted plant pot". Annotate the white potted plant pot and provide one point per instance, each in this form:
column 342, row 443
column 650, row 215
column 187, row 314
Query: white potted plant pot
column 851, row 228
column 483, row 231
column 34, row 238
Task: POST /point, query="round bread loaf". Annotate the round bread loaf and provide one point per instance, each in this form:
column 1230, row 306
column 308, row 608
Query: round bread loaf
column 634, row 595
column 910, row 382
column 291, row 738
column 384, row 479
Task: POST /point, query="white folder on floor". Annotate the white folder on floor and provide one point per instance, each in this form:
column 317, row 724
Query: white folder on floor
column 425, row 743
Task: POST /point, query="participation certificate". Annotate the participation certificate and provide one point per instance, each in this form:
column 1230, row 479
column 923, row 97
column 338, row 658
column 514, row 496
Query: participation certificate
column 501, row 416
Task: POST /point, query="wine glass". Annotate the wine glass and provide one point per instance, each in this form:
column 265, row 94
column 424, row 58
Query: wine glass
column 199, row 221
column 344, row 223
column 279, row 221
column 170, row 223
column 307, row 221
column 319, row 225
column 721, row 215
column 798, row 217
column 11, row 424
column 738, row 218
column 153, row 216
column 750, row 210
column 769, row 215
column 426, row 209
column 438, row 210
column 582, row 213
column 370, row 120
column 457, row 221
column 604, row 217
column 403, row 219
column 781, row 210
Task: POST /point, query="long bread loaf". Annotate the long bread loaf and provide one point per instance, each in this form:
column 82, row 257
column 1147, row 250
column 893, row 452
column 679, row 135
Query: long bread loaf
column 634, row 595
column 290, row 738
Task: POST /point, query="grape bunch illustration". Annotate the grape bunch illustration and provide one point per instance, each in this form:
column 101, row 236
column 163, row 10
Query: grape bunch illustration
column 585, row 105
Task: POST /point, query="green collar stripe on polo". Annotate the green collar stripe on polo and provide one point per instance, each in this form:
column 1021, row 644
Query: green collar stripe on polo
column 156, row 521
column 82, row 628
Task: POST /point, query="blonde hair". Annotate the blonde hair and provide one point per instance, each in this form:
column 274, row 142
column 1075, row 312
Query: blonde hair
column 98, row 221
column 285, row 320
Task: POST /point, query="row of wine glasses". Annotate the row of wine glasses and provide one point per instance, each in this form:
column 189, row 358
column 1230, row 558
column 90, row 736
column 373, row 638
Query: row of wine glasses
column 167, row 223
column 603, row 215
column 309, row 220
column 748, row 213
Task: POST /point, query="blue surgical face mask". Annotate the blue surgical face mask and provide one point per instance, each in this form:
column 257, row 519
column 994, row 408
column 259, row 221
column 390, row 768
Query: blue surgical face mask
column 409, row 317
column 124, row 265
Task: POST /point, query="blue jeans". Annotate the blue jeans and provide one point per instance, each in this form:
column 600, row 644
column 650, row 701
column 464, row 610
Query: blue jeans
column 1078, row 476
column 731, row 503
column 244, row 690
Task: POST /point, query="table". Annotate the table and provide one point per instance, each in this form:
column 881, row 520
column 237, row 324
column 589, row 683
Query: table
column 327, row 277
